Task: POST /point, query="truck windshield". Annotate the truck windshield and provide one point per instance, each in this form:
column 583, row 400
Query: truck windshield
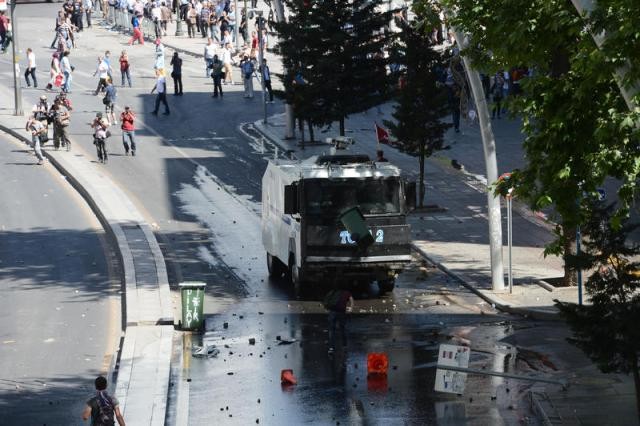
column 329, row 197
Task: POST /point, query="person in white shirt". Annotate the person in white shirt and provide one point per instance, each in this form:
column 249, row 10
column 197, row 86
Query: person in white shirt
column 88, row 9
column 226, row 64
column 159, row 64
column 103, row 73
column 161, row 88
column 31, row 68
column 156, row 17
column 209, row 53
column 67, row 69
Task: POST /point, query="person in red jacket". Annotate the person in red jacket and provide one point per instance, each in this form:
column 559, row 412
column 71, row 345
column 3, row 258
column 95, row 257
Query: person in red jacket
column 128, row 130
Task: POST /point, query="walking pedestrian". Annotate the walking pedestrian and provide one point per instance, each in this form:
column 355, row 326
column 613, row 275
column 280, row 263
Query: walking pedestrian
column 102, row 71
column 159, row 63
column 166, row 16
column 176, row 74
column 54, row 72
column 137, row 33
column 38, row 131
column 246, row 65
column 8, row 36
column 125, row 67
column 226, row 63
column 191, row 21
column 266, row 77
column 76, row 15
column 217, row 73
column 109, row 102
column 103, row 408
column 496, row 92
column 156, row 18
column 339, row 303
column 66, row 68
column 88, row 10
column 161, row 88
column 127, row 119
column 40, row 112
column 61, row 120
column 209, row 53
column 100, row 128
column 4, row 23
column 205, row 15
column 31, row 68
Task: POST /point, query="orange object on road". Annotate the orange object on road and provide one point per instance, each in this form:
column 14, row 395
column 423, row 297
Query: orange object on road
column 287, row 377
column 377, row 363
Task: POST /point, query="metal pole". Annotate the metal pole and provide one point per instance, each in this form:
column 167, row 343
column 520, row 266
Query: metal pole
column 578, row 238
column 17, row 92
column 586, row 7
column 236, row 28
column 491, row 164
column 260, row 59
column 179, row 31
column 562, row 383
column 510, row 239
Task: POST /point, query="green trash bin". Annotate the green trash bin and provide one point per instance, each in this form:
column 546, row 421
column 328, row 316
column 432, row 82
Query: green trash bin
column 353, row 220
column 192, row 294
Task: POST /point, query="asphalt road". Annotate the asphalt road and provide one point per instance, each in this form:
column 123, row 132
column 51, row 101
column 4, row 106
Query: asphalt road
column 59, row 303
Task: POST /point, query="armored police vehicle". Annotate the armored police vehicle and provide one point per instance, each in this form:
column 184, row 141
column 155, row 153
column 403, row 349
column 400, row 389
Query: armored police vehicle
column 307, row 207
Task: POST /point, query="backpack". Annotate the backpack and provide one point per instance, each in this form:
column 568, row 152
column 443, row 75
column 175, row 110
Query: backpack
column 334, row 301
column 105, row 415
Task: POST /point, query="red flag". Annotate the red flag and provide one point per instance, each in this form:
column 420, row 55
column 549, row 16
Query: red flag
column 382, row 135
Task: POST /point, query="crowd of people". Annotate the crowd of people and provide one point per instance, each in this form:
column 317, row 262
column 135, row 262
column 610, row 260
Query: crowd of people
column 213, row 20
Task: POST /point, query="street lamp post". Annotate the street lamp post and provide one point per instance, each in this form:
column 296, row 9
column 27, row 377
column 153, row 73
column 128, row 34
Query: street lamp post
column 16, row 61
column 236, row 26
column 261, row 61
column 179, row 31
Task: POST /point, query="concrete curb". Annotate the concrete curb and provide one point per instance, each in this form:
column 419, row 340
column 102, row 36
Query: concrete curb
column 126, row 353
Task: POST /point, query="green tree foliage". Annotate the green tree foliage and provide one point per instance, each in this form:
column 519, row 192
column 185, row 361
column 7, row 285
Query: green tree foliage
column 335, row 49
column 421, row 99
column 607, row 330
column 578, row 129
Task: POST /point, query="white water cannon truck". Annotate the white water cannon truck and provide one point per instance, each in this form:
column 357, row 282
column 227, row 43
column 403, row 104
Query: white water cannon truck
column 312, row 211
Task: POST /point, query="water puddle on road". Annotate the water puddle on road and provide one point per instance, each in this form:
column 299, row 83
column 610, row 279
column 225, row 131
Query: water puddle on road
column 241, row 384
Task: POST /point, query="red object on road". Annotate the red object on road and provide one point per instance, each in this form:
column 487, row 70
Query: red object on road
column 287, row 377
column 377, row 363
column 382, row 135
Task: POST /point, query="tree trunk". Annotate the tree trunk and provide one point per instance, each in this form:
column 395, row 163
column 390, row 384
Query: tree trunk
column 636, row 381
column 569, row 279
column 342, row 126
column 311, row 137
column 421, row 190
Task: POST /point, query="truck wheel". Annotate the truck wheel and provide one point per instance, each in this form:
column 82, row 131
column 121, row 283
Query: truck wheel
column 386, row 286
column 275, row 266
column 294, row 277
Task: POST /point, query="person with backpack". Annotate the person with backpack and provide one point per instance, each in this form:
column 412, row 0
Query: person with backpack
column 103, row 409
column 109, row 102
column 338, row 302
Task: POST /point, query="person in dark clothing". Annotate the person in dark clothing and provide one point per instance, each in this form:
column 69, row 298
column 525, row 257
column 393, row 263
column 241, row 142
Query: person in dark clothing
column 266, row 76
column 103, row 408
column 338, row 302
column 176, row 74
column 217, row 75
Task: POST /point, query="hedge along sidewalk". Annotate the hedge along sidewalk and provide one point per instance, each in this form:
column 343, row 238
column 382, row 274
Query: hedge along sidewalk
column 142, row 372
